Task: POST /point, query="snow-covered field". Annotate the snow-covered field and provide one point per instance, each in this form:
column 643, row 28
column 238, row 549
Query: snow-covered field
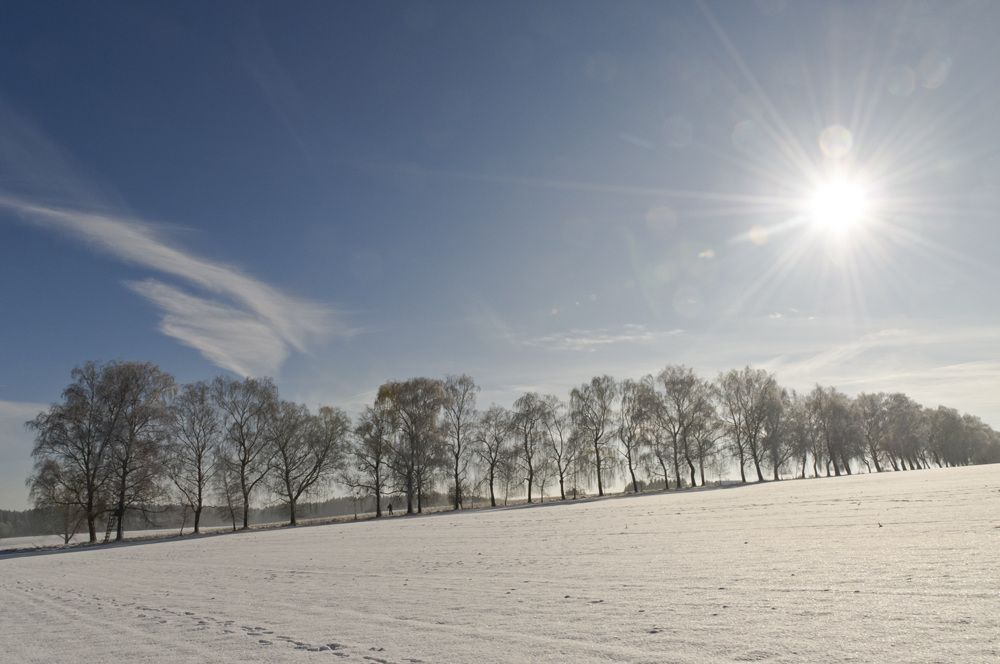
column 40, row 541
column 796, row 571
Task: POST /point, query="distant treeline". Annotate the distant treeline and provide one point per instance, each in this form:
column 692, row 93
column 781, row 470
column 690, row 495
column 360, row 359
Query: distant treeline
column 47, row 520
column 126, row 441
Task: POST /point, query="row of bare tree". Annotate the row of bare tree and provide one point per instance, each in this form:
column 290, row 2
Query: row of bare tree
column 126, row 438
column 649, row 432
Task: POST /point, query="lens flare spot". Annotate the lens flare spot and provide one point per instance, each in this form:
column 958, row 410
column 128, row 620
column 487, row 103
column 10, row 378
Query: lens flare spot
column 835, row 141
column 758, row 235
column 748, row 137
column 665, row 271
column 902, row 82
column 838, row 205
column 934, row 69
column 708, row 253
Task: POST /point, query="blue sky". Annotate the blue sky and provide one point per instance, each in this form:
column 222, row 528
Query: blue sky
column 339, row 194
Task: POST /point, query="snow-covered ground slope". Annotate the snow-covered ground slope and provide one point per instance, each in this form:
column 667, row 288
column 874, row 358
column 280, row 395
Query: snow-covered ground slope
column 46, row 541
column 794, row 571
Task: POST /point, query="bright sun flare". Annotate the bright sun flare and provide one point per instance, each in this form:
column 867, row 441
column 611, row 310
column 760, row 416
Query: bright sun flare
column 838, row 205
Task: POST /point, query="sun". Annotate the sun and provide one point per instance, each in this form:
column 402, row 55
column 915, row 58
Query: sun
column 838, row 205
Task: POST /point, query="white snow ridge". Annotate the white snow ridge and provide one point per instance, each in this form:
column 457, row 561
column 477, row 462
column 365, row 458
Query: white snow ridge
column 892, row 567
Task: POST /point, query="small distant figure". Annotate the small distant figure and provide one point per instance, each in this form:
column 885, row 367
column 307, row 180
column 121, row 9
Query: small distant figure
column 390, row 509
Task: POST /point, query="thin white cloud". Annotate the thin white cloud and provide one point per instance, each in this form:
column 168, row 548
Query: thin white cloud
column 845, row 357
column 932, row 365
column 226, row 335
column 235, row 321
column 248, row 327
column 15, row 452
column 577, row 340
column 19, row 412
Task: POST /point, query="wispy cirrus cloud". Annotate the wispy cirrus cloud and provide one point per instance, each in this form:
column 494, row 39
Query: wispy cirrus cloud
column 228, row 336
column 589, row 340
column 934, row 364
column 946, row 345
column 235, row 320
column 240, row 324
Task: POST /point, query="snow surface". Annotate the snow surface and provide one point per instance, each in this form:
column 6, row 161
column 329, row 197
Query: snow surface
column 793, row 571
column 46, row 541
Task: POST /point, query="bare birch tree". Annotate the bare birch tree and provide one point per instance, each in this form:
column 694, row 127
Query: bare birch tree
column 685, row 399
column 705, row 431
column 873, row 418
column 307, row 451
column 836, row 425
column 745, row 397
column 247, row 407
column 367, row 468
column 561, row 446
column 492, row 437
column 637, row 412
column 528, row 414
column 195, row 435
column 73, row 443
column 48, row 490
column 457, row 423
column 905, row 431
column 777, row 442
column 802, row 431
column 138, row 393
column 593, row 414
column 416, row 404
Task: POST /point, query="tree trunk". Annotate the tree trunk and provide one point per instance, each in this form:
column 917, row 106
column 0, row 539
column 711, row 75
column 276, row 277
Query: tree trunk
column 562, row 488
column 197, row 520
column 246, row 510
column 531, row 477
column 677, row 467
column 756, row 464
column 92, row 526
column 691, row 466
column 409, row 493
column 597, row 456
column 120, row 526
column 493, row 495
column 291, row 512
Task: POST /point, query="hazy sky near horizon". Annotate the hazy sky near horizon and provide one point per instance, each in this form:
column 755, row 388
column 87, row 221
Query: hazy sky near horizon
column 532, row 193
